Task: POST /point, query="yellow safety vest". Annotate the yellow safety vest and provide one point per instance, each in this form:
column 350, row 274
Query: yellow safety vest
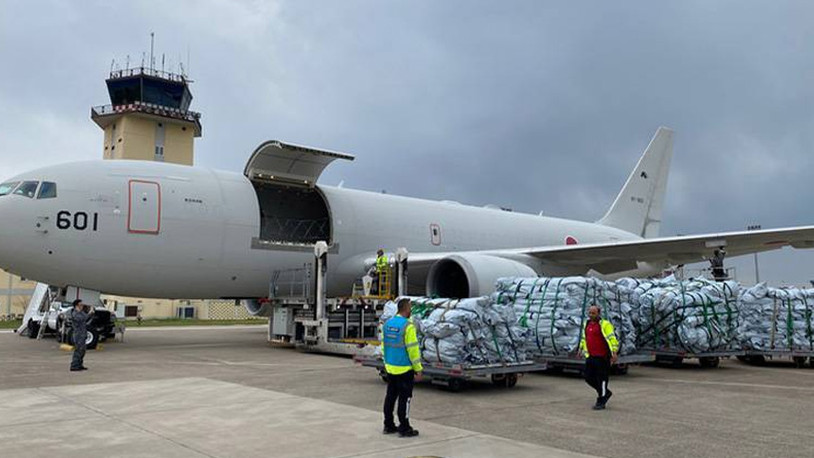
column 381, row 264
column 393, row 351
column 607, row 331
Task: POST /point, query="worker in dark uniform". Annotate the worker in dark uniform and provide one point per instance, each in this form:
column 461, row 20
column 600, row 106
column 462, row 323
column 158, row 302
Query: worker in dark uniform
column 716, row 263
column 600, row 347
column 79, row 322
column 402, row 361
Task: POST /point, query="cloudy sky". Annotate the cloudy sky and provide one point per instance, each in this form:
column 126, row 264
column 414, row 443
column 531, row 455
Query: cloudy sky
column 534, row 105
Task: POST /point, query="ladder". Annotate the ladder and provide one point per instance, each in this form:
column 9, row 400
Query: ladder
column 34, row 308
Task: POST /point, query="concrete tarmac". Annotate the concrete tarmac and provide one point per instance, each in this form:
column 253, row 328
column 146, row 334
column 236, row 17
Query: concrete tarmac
column 225, row 392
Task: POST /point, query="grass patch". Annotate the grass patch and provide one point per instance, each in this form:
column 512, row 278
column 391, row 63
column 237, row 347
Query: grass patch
column 189, row 322
column 10, row 324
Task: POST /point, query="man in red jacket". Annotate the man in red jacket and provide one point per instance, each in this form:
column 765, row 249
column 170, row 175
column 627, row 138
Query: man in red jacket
column 600, row 347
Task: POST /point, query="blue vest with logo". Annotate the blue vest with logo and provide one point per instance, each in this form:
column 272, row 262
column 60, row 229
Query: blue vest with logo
column 395, row 352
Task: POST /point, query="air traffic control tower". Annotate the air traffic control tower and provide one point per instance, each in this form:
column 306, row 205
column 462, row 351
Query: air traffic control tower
column 148, row 117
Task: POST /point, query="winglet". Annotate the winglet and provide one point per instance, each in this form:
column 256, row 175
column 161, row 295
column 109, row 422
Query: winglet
column 637, row 208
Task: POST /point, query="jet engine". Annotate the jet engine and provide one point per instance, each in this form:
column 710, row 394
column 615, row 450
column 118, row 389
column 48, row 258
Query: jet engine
column 257, row 307
column 471, row 275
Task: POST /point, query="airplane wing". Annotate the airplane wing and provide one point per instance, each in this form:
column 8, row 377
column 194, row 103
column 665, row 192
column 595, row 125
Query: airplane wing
column 618, row 256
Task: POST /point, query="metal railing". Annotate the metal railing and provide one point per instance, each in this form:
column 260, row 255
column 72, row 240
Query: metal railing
column 137, row 71
column 682, row 274
column 144, row 107
column 381, row 288
column 291, row 283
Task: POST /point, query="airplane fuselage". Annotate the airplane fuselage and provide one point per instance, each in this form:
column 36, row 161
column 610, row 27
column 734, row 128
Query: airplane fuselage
column 162, row 230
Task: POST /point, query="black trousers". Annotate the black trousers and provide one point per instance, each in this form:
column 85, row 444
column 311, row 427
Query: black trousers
column 399, row 388
column 597, row 369
column 78, row 359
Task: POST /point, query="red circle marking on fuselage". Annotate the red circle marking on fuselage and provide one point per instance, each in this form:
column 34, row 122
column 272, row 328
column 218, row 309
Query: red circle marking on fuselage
column 571, row 240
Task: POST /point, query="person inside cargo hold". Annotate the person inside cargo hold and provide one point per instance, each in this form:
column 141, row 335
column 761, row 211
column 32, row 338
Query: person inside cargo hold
column 600, row 347
column 402, row 362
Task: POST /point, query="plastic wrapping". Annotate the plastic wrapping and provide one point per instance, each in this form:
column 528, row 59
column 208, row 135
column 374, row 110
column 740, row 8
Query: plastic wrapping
column 555, row 311
column 776, row 319
column 468, row 331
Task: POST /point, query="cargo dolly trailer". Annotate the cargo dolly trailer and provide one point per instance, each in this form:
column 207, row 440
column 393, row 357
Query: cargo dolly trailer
column 798, row 357
column 576, row 362
column 456, row 376
column 676, row 357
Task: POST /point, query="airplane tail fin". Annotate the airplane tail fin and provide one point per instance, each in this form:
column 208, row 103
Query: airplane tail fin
column 637, row 208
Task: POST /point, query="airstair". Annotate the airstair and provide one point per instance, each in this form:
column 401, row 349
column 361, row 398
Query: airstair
column 37, row 311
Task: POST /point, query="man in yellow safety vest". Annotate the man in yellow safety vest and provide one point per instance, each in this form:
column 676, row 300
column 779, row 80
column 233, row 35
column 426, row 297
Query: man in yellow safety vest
column 381, row 268
column 402, row 362
column 600, row 347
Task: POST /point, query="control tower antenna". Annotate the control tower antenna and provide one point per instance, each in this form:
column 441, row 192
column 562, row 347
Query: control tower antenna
column 152, row 42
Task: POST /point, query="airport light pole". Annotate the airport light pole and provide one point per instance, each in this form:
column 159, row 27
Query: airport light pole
column 755, row 227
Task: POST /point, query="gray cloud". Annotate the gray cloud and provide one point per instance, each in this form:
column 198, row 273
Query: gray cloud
column 532, row 105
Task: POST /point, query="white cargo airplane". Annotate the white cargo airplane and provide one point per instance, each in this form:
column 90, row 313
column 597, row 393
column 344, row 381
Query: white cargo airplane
column 151, row 229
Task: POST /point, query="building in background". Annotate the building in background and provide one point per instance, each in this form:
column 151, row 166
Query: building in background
column 15, row 293
column 148, row 117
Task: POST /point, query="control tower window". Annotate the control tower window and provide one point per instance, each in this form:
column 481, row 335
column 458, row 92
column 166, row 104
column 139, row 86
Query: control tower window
column 48, row 190
column 6, row 188
column 28, row 189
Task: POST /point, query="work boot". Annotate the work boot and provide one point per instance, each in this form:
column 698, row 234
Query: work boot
column 409, row 432
column 390, row 429
column 607, row 397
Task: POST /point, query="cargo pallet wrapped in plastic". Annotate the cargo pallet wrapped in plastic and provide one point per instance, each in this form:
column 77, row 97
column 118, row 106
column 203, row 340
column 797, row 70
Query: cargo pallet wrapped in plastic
column 555, row 311
column 777, row 322
column 468, row 331
column 695, row 318
column 461, row 339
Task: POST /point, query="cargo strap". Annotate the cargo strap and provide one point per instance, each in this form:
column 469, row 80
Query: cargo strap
column 553, row 313
column 529, row 300
column 540, row 312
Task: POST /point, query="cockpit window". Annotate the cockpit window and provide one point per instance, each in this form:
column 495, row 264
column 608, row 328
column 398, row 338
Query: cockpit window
column 27, row 188
column 6, row 188
column 48, row 190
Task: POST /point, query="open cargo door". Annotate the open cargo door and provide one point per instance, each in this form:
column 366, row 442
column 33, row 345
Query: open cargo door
column 289, row 164
column 294, row 213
